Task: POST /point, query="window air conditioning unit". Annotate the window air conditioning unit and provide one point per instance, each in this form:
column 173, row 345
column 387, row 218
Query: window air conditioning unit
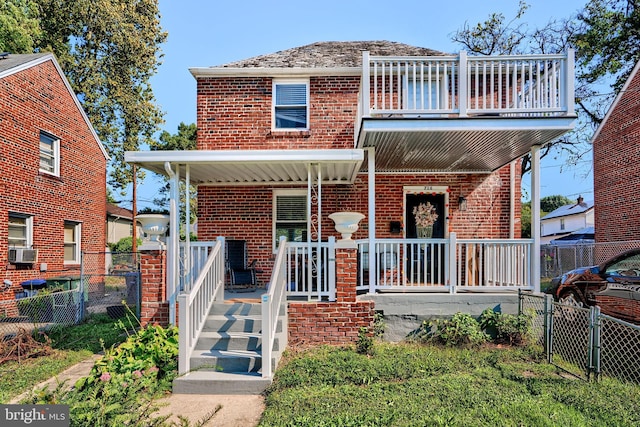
column 23, row 256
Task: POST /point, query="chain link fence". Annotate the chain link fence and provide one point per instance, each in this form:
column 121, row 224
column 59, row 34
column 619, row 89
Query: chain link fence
column 64, row 298
column 111, row 279
column 582, row 341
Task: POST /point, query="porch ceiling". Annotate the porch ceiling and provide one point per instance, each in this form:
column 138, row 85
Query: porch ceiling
column 254, row 167
column 455, row 144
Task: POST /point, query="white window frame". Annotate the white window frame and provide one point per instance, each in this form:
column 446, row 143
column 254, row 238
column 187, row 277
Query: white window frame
column 287, row 192
column 562, row 224
column 28, row 229
column 53, row 154
column 77, row 233
column 274, row 106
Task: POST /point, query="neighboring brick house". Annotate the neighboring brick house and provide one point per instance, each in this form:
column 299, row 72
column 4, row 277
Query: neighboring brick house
column 53, row 185
column 616, row 169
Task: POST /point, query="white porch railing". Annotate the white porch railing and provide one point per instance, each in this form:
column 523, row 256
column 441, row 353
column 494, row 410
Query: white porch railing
column 195, row 303
column 447, row 265
column 273, row 302
column 510, row 85
column 199, row 256
column 309, row 274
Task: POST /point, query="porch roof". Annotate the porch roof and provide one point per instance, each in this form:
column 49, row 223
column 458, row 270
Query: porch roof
column 472, row 144
column 255, row 167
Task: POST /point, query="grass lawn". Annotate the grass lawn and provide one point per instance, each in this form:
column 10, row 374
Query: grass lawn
column 422, row 385
column 71, row 345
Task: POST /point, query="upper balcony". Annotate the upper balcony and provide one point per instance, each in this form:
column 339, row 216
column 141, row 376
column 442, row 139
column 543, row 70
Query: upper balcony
column 462, row 113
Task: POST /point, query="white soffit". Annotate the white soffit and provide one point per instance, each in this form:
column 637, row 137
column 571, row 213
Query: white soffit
column 254, row 167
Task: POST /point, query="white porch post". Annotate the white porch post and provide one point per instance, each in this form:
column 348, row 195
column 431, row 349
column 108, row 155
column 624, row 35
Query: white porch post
column 513, row 195
column 173, row 248
column 371, row 181
column 188, row 279
column 452, row 264
column 535, row 217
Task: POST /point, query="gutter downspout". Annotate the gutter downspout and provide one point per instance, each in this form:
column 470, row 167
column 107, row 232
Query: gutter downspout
column 172, row 258
column 371, row 183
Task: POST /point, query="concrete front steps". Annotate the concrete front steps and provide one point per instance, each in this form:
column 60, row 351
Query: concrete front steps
column 227, row 358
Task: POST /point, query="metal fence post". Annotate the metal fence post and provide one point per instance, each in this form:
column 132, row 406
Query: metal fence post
column 594, row 342
column 548, row 326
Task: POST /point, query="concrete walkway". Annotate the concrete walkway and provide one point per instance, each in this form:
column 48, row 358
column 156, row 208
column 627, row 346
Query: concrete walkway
column 236, row 411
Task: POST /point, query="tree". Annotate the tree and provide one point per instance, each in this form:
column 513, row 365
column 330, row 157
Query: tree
column 551, row 203
column 609, row 40
column 109, row 50
column 606, row 38
column 19, row 26
column 525, row 220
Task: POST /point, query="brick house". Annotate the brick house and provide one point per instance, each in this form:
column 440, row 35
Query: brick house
column 53, row 186
column 616, row 171
column 287, row 139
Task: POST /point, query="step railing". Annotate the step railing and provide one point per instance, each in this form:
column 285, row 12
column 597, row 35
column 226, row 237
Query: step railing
column 273, row 302
column 195, row 303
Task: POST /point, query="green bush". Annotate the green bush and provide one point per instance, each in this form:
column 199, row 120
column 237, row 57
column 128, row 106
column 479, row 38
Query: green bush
column 364, row 345
column 460, row 330
column 124, row 245
column 506, row 328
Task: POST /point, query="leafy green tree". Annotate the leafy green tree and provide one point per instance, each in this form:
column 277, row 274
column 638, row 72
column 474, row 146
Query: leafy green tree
column 609, row 40
column 109, row 50
column 551, row 203
column 20, row 30
column 525, row 220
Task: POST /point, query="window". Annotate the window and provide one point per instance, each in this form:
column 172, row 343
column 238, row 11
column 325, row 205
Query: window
column 290, row 216
column 71, row 242
column 49, row 154
column 290, row 105
column 561, row 223
column 20, row 231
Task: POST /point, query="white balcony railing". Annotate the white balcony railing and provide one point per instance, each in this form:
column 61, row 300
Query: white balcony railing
column 311, row 270
column 509, row 85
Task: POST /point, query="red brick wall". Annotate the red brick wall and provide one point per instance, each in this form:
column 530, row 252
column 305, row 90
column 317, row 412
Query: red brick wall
column 154, row 307
column 235, row 113
column 32, row 100
column 616, row 170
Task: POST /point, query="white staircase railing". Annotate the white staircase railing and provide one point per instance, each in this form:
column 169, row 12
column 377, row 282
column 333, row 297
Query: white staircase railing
column 272, row 302
column 194, row 304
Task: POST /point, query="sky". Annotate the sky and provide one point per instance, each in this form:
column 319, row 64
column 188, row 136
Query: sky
column 204, row 33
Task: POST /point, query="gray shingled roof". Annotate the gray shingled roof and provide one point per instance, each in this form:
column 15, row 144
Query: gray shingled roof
column 15, row 60
column 331, row 54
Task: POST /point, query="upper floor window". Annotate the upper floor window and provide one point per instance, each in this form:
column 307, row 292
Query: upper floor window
column 71, row 242
column 49, row 154
column 20, row 231
column 561, row 223
column 290, row 215
column 291, row 104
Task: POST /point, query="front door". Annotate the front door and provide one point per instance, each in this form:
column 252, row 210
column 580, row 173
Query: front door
column 425, row 261
column 412, row 202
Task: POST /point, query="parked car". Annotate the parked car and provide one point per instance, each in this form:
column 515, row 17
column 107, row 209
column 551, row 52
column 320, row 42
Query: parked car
column 614, row 286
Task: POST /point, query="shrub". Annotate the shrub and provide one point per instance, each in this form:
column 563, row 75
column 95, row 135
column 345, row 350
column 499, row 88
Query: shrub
column 460, row 330
column 506, row 328
column 364, row 345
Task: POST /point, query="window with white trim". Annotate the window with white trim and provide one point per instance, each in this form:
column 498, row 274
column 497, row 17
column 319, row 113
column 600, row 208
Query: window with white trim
column 290, row 104
column 561, row 223
column 71, row 242
column 289, row 216
column 49, row 154
column 20, row 230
